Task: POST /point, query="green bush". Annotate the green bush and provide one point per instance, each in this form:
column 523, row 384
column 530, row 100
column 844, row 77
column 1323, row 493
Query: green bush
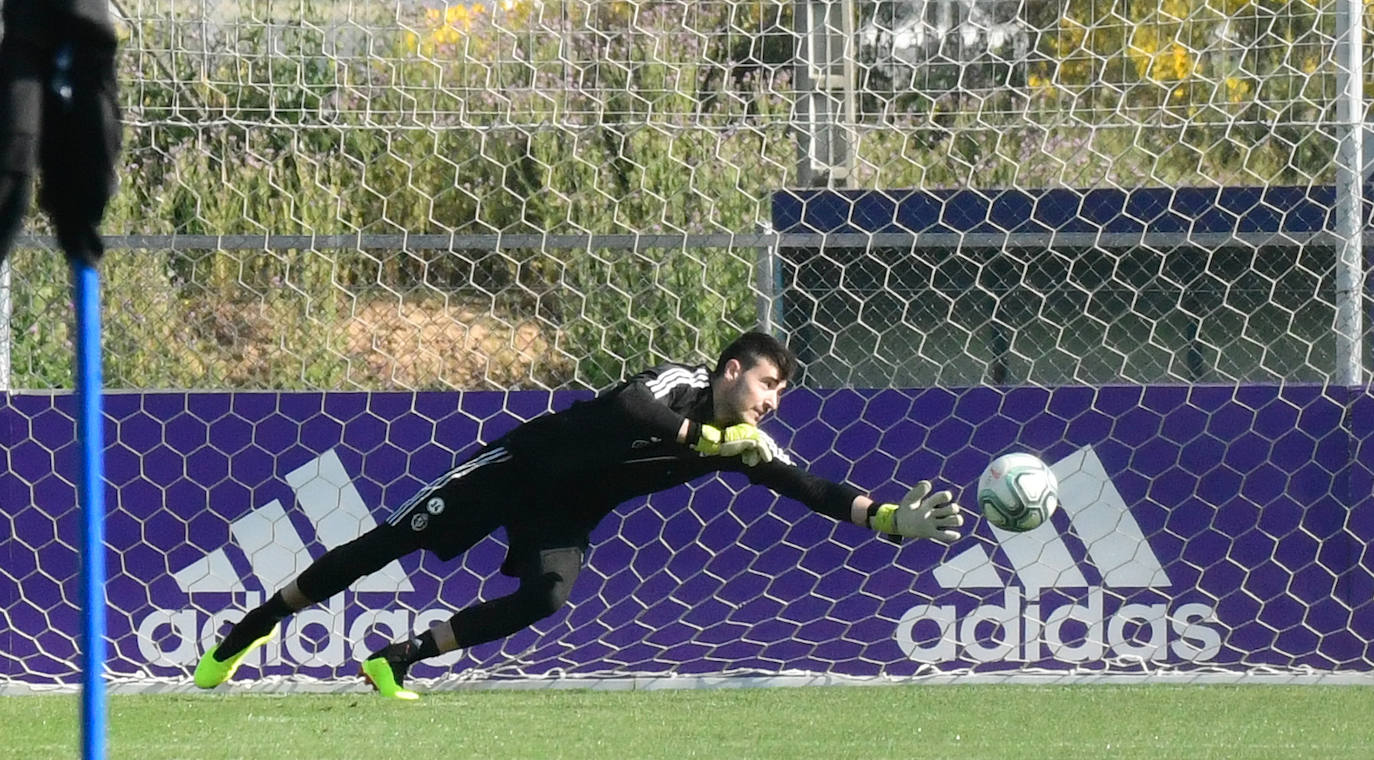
column 617, row 117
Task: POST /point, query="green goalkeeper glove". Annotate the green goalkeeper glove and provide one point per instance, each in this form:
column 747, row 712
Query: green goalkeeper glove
column 743, row 440
column 764, row 449
column 921, row 514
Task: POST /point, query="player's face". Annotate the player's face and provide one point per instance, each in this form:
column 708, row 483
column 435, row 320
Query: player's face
column 747, row 395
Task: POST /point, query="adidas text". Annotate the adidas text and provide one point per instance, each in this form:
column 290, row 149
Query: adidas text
column 326, row 635
column 1071, row 631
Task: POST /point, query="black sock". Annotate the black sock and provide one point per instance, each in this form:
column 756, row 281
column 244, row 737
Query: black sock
column 256, row 624
column 410, row 651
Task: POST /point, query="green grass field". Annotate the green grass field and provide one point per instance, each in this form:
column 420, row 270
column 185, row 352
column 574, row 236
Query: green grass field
column 835, row 723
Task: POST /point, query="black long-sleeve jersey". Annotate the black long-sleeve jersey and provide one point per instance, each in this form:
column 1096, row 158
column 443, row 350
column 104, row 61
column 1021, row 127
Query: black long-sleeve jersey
column 598, row 453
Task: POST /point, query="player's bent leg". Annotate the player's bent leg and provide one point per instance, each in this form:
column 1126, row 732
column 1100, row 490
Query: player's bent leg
column 212, row 671
column 544, row 589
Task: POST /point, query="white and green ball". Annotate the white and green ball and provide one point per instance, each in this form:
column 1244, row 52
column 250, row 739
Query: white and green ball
column 1018, row 492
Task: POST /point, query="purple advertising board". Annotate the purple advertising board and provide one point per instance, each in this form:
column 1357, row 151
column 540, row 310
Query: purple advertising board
column 1202, row 528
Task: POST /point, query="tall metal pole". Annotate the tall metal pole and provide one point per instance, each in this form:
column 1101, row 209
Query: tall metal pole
column 1349, row 193
column 826, row 103
column 768, row 285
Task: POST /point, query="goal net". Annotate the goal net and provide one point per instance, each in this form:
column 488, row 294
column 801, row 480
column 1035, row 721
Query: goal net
column 354, row 241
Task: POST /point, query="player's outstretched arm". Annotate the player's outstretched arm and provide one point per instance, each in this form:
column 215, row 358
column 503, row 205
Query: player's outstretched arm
column 922, row 513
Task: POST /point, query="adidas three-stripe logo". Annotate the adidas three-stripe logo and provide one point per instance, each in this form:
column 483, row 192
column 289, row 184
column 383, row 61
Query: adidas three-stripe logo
column 1114, row 543
column 274, row 548
column 672, row 378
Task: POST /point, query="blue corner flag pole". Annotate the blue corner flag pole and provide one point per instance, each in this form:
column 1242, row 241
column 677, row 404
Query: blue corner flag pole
column 91, row 494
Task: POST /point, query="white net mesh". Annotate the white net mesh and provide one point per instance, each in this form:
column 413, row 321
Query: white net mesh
column 1105, row 232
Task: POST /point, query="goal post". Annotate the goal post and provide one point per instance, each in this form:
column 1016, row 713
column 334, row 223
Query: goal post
column 355, row 241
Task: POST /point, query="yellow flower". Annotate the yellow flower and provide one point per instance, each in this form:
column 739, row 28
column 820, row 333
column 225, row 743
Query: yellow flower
column 1175, row 10
column 1181, row 62
column 456, row 15
column 1237, row 89
column 1070, row 37
column 445, row 27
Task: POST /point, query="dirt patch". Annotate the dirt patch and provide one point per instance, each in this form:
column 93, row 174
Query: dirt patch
column 434, row 344
column 425, row 344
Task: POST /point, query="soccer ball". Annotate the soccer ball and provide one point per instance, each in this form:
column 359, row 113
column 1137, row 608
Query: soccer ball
column 1018, row 492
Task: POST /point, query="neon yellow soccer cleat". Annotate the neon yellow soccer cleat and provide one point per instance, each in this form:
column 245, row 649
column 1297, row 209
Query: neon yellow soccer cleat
column 384, row 678
column 211, row 672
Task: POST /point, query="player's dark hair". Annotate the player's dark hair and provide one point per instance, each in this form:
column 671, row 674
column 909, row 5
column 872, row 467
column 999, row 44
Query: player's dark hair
column 752, row 346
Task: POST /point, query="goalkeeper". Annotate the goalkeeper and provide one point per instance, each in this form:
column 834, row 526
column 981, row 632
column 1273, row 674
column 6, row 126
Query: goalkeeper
column 551, row 480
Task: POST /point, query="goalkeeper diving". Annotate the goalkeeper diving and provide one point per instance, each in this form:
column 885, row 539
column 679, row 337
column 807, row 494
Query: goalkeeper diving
column 551, row 480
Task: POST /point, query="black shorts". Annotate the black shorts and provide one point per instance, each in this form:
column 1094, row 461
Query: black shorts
column 491, row 490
